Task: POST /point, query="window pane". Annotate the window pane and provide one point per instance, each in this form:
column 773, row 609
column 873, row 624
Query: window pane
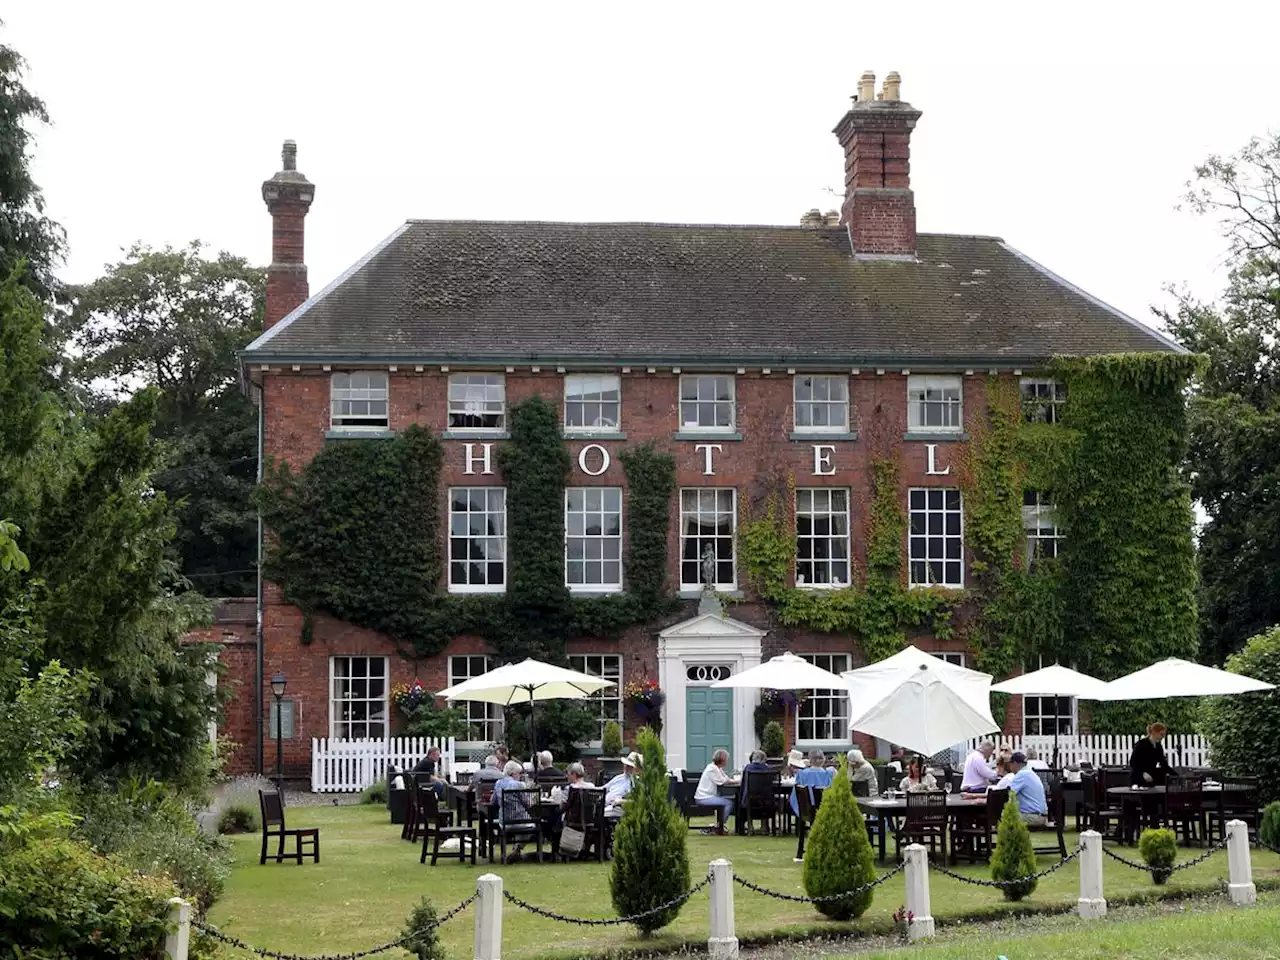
column 708, row 519
column 706, row 402
column 477, row 401
column 824, row 715
column 477, row 524
column 822, row 538
column 358, row 400
column 357, row 705
column 935, row 528
column 593, row 531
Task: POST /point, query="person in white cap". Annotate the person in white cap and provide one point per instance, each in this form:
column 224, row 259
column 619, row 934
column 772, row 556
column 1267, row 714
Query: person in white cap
column 617, row 789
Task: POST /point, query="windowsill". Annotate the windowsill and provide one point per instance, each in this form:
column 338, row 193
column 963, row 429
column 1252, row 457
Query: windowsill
column 688, row 593
column 936, row 436
column 477, row 591
column 356, row 433
column 950, row 587
column 821, row 587
column 816, row 435
column 824, row 745
column 575, row 591
column 475, row 435
column 699, row 436
column 573, row 434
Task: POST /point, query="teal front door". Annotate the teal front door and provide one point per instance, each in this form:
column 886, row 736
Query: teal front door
column 708, row 725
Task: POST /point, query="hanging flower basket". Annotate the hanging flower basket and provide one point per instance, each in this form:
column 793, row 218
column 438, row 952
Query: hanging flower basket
column 783, row 701
column 646, row 697
column 409, row 696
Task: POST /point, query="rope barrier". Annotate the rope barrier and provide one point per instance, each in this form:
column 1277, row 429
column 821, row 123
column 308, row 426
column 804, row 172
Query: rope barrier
column 1005, row 884
column 1185, row 865
column 614, row 921
column 381, row 948
column 829, row 898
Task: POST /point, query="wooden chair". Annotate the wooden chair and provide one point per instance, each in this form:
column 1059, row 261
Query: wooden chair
column 306, row 842
column 1184, row 809
column 584, row 811
column 759, row 802
column 1055, row 799
column 517, row 819
column 925, row 821
column 438, row 826
column 1237, row 800
column 808, row 800
column 973, row 837
column 1100, row 811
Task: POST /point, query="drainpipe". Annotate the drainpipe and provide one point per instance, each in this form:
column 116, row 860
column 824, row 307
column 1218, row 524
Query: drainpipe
column 257, row 687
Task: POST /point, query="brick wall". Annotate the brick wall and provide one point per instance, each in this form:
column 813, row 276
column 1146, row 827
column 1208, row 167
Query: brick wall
column 297, row 417
column 235, row 631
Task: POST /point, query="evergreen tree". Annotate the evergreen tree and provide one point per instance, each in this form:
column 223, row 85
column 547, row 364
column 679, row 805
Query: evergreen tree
column 838, row 855
column 1013, row 856
column 650, row 857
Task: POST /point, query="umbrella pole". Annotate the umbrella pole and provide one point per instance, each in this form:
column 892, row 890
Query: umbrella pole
column 533, row 735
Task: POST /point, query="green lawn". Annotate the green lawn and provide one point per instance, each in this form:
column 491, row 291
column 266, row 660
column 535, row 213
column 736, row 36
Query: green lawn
column 1217, row 932
column 369, row 880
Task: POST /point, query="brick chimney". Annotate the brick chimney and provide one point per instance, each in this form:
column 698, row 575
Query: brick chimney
column 288, row 196
column 879, row 208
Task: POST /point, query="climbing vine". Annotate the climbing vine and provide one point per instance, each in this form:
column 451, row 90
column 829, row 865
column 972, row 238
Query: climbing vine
column 356, row 534
column 880, row 609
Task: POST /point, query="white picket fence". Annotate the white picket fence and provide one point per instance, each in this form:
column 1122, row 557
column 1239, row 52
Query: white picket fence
column 345, row 766
column 1181, row 749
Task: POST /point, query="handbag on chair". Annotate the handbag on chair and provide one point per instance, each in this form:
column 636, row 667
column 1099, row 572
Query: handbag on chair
column 571, row 841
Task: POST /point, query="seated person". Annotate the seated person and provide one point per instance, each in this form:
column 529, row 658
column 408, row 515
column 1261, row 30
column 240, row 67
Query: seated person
column 483, row 780
column 545, row 769
column 513, row 809
column 1072, row 773
column 811, row 773
column 917, row 778
column 860, row 771
column 576, row 774
column 978, row 774
column 708, row 792
column 428, row 771
column 619, row 788
column 1033, row 759
column 1029, row 789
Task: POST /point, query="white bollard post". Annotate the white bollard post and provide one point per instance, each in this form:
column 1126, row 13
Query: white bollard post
column 178, row 939
column 1092, row 904
column 722, row 944
column 488, row 944
column 1240, row 868
column 917, row 866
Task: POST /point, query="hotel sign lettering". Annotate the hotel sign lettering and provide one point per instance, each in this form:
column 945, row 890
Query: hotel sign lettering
column 593, row 459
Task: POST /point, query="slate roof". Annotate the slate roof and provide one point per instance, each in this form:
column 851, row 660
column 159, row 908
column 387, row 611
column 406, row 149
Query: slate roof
column 458, row 291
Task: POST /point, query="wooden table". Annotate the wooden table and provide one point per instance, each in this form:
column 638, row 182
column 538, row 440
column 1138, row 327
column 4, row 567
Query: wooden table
column 889, row 810
column 1137, row 803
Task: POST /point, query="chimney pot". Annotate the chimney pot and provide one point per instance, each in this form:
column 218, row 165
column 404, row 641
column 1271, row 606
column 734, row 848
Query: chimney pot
column 288, row 195
column 289, row 153
column 812, row 219
column 867, row 87
column 893, row 86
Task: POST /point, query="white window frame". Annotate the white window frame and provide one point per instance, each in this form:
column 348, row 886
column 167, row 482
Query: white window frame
column 835, row 663
column 339, row 726
column 599, row 384
column 1074, row 715
column 376, row 389
column 291, row 710
column 1048, row 403
column 486, row 717
column 830, row 514
column 732, row 538
column 926, row 537
column 812, row 404
column 953, row 657
column 919, row 388
column 606, row 703
column 1037, row 517
column 485, row 387
column 732, row 401
column 603, row 539
column 469, row 587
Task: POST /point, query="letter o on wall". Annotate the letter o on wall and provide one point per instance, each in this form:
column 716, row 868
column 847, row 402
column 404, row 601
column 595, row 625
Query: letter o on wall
column 582, row 460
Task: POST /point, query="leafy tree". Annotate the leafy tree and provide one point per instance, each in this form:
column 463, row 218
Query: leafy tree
column 838, row 856
column 561, row 726
column 175, row 319
column 650, row 855
column 1013, row 857
column 1241, row 730
column 30, row 243
column 1235, row 414
column 1158, row 849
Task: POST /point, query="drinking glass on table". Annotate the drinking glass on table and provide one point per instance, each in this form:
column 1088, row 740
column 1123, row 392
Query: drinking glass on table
column 946, row 786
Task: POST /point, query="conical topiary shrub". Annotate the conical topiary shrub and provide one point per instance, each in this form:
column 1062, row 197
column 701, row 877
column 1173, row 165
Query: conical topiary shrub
column 1013, row 856
column 838, row 855
column 650, row 858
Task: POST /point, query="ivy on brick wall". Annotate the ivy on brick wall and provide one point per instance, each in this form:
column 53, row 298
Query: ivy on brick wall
column 356, row 534
column 878, row 609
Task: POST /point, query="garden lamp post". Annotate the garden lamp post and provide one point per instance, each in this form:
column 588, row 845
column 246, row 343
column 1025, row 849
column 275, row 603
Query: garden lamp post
column 277, row 691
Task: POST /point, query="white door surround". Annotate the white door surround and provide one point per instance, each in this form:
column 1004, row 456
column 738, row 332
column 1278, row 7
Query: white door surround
column 706, row 639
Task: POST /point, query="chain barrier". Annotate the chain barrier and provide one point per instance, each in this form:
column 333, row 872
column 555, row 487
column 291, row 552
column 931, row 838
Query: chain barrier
column 613, row 922
column 829, row 898
column 1185, row 865
column 1267, row 846
column 1006, row 884
column 381, row 948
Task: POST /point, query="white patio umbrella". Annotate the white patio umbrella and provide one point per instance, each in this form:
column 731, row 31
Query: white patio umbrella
column 784, row 672
column 920, row 701
column 526, row 682
column 1054, row 681
column 1180, row 678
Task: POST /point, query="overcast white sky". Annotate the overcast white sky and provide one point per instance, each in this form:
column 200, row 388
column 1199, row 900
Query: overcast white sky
column 1068, row 129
